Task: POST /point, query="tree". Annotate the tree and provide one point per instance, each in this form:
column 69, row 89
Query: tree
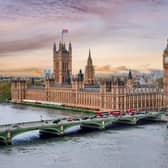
column 5, row 91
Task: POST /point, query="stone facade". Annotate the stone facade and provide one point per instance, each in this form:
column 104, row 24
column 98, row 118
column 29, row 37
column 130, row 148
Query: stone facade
column 85, row 92
column 165, row 79
column 62, row 60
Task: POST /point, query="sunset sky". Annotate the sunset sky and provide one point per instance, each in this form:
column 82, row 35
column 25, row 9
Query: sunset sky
column 122, row 34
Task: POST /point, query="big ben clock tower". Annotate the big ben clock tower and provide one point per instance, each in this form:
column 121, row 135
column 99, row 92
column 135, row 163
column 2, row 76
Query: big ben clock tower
column 165, row 78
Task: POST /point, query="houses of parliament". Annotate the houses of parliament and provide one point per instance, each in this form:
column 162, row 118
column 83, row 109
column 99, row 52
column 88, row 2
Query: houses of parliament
column 85, row 91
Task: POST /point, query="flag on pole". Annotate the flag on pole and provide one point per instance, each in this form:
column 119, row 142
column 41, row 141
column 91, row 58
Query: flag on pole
column 63, row 32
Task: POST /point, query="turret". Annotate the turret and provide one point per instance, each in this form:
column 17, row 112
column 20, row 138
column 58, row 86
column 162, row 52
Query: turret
column 54, row 48
column 78, row 81
column 70, row 48
column 166, row 49
column 60, row 46
column 63, row 46
column 130, row 75
column 130, row 80
column 80, row 76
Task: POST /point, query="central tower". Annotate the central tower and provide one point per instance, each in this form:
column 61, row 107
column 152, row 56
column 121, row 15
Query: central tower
column 62, row 59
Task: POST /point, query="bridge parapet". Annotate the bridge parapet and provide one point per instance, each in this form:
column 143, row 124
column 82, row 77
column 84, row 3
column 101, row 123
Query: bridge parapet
column 58, row 127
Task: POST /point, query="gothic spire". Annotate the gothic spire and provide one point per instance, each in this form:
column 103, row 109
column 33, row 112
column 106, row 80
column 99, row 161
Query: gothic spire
column 60, row 46
column 80, row 75
column 70, row 46
column 166, row 49
column 89, row 58
column 54, row 47
column 130, row 75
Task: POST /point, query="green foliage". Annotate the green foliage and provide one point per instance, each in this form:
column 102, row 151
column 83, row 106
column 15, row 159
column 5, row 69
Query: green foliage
column 5, row 91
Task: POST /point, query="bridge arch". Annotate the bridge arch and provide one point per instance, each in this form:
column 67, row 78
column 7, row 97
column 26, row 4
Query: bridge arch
column 17, row 132
column 3, row 140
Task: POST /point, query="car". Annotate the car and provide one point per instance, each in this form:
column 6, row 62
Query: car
column 56, row 121
column 15, row 126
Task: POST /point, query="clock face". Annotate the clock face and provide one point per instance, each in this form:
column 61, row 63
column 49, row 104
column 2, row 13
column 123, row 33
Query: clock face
column 166, row 60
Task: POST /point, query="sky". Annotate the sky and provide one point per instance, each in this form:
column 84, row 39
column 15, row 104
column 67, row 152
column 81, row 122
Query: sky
column 122, row 34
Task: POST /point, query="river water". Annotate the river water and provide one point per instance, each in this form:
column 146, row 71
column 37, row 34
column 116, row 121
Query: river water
column 140, row 146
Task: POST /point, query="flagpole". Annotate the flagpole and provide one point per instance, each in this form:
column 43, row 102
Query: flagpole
column 62, row 36
column 64, row 31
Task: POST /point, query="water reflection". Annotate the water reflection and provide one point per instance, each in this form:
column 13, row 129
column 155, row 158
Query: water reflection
column 26, row 137
column 141, row 147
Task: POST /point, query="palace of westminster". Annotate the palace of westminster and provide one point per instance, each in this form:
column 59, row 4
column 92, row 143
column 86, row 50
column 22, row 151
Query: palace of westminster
column 85, row 91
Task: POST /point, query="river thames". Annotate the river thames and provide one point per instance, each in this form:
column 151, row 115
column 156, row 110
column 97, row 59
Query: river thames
column 140, row 146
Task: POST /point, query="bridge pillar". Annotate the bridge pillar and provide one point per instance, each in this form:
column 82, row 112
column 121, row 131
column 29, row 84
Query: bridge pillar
column 62, row 130
column 103, row 124
column 9, row 137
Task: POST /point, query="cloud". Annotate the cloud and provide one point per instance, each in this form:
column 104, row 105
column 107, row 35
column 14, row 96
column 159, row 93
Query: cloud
column 111, row 14
column 122, row 68
column 40, row 41
column 100, row 70
column 105, row 69
column 27, row 25
column 40, row 9
column 109, row 69
column 22, row 72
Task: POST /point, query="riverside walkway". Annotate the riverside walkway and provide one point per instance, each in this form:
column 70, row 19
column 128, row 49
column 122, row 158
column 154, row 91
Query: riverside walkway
column 59, row 127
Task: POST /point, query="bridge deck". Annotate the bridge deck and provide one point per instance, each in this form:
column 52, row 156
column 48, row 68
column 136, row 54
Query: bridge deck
column 64, row 121
column 43, row 123
column 25, row 125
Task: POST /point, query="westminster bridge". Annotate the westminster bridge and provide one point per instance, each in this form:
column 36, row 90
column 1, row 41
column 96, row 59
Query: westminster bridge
column 63, row 126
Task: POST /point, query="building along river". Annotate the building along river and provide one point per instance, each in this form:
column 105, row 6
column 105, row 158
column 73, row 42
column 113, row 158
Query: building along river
column 140, row 146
